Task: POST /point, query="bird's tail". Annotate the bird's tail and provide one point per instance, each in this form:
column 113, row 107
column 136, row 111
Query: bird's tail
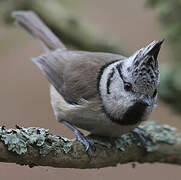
column 30, row 22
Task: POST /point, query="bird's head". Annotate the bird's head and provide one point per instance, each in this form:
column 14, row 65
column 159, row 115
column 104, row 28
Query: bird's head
column 131, row 83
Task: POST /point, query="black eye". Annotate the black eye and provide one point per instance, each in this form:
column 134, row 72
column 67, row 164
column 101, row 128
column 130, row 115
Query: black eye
column 127, row 86
column 155, row 93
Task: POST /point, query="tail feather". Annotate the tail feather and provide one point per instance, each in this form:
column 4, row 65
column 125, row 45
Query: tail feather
column 31, row 23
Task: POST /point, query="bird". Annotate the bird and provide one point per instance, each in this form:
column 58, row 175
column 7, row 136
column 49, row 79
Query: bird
column 104, row 93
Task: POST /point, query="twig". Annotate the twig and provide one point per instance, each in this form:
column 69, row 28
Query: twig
column 70, row 28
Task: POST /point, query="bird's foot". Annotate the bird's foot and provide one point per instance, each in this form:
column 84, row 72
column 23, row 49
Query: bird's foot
column 81, row 138
column 85, row 141
column 141, row 136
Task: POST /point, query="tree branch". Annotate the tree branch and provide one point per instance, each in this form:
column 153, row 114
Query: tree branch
column 36, row 147
column 68, row 26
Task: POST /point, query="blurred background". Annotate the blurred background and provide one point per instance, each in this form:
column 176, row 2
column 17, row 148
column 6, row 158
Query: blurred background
column 118, row 26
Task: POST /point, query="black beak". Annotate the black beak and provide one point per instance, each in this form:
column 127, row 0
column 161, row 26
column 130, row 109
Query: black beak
column 146, row 101
column 153, row 48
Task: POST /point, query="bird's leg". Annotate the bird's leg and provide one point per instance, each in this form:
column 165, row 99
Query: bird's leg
column 141, row 136
column 80, row 137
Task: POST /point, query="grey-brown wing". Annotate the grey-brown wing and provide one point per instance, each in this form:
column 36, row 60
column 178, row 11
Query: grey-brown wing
column 74, row 73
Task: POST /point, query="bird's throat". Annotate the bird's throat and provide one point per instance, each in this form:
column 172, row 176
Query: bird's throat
column 133, row 115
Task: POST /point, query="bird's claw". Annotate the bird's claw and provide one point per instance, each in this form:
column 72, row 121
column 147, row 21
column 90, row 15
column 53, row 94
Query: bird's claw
column 81, row 138
column 86, row 142
column 141, row 136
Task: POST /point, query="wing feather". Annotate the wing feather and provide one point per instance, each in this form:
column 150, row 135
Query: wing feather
column 74, row 73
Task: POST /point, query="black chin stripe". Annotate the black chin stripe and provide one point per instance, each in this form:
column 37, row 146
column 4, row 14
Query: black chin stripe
column 109, row 80
column 133, row 115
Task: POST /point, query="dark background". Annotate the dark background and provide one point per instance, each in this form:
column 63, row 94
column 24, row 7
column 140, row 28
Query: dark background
column 24, row 91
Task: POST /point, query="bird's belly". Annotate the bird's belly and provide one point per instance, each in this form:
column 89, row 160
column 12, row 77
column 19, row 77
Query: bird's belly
column 103, row 126
column 89, row 117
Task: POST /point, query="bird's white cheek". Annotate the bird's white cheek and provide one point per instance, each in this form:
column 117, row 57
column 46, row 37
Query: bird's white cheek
column 119, row 97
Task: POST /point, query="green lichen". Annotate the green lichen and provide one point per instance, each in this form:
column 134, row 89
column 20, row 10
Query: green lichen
column 18, row 140
column 152, row 131
column 56, row 144
column 158, row 133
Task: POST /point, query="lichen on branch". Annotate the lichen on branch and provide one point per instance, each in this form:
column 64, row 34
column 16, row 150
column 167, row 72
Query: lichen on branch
column 37, row 147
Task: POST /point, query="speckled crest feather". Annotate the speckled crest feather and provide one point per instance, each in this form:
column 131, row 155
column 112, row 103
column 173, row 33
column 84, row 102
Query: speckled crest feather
column 146, row 74
column 145, row 70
